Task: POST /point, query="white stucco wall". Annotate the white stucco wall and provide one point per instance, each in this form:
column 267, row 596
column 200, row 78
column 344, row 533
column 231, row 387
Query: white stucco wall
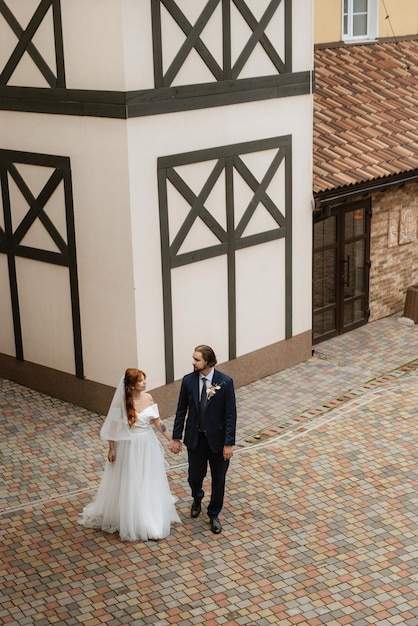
column 7, row 344
column 107, row 46
column 108, row 43
column 97, row 149
column 198, row 319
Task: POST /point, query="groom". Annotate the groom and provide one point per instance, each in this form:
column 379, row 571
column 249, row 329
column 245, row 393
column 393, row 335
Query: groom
column 207, row 397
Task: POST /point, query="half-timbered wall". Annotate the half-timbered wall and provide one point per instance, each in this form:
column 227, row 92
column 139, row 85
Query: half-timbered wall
column 234, row 230
column 155, row 171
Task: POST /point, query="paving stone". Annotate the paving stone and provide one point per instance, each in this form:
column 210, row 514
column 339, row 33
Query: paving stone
column 320, row 518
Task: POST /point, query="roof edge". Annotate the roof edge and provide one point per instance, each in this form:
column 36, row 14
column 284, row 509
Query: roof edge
column 348, row 192
column 368, row 42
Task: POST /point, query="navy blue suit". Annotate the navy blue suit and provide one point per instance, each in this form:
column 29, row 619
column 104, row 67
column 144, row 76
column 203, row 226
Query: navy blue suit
column 220, row 425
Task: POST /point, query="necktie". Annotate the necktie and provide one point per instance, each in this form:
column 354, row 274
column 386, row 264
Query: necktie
column 203, row 401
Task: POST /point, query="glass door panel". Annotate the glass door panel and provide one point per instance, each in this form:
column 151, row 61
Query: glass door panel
column 354, row 268
column 353, row 312
column 341, row 270
column 324, row 323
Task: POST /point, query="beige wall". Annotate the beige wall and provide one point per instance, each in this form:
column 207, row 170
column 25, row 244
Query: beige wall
column 327, row 21
column 403, row 20
column 403, row 16
column 394, row 259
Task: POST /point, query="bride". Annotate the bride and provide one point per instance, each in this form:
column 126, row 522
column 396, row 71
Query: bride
column 134, row 497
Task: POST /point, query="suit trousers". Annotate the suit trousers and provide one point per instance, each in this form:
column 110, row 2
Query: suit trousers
column 198, row 467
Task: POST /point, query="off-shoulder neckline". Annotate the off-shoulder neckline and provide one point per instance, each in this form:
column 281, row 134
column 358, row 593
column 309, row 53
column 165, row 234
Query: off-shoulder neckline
column 146, row 408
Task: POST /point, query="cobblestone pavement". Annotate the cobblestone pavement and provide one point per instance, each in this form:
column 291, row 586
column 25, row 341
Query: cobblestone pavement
column 320, row 519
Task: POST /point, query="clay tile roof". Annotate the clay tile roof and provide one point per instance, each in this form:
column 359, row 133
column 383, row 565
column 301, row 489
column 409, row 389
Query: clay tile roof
column 365, row 113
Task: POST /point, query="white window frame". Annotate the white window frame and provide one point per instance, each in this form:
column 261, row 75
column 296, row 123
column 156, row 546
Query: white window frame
column 372, row 21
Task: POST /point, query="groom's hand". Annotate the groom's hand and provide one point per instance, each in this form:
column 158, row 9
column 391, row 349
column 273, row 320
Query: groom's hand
column 175, row 446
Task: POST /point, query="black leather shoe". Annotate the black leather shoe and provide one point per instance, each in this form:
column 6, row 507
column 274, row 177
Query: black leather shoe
column 215, row 525
column 195, row 509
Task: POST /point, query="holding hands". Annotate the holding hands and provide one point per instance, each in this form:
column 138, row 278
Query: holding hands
column 175, row 446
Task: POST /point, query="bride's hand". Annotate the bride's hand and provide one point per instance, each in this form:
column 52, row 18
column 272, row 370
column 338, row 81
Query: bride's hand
column 111, row 456
column 175, row 446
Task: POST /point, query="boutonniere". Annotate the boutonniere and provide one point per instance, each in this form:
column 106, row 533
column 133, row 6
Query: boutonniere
column 213, row 389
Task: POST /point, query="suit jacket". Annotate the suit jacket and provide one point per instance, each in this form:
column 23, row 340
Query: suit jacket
column 220, row 412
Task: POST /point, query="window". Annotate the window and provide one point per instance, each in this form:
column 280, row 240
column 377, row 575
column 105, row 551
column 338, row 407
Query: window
column 359, row 19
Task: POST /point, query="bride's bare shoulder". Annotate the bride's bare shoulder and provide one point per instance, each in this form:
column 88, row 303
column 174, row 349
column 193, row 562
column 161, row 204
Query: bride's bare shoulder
column 148, row 397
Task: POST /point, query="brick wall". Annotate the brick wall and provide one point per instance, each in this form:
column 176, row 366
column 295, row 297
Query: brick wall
column 393, row 249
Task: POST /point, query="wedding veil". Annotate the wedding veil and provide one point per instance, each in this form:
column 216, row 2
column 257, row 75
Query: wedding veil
column 115, row 426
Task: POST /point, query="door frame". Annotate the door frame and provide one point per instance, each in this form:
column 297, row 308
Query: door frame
column 339, row 214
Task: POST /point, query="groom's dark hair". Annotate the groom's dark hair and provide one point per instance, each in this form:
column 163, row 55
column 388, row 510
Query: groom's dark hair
column 208, row 355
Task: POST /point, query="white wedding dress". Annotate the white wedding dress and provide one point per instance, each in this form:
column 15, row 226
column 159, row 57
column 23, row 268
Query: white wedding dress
column 134, row 497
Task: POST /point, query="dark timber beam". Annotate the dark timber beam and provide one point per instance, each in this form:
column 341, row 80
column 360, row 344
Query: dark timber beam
column 124, row 105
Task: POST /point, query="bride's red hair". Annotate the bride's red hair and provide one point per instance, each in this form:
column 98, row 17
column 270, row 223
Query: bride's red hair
column 132, row 376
